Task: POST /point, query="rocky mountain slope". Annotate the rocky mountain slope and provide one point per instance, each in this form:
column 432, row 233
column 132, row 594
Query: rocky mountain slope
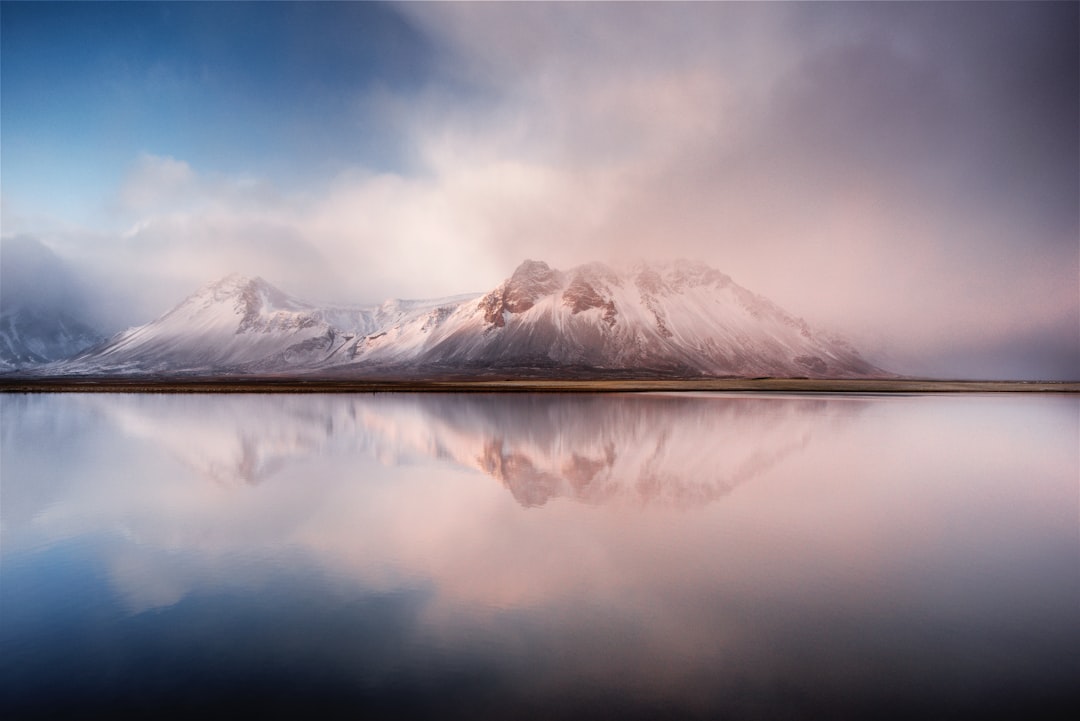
column 680, row 318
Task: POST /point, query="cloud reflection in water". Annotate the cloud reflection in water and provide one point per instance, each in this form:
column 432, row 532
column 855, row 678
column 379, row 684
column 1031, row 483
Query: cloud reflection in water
column 695, row 553
column 667, row 449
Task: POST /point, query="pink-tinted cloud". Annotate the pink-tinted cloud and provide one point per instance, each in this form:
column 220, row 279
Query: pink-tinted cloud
column 903, row 174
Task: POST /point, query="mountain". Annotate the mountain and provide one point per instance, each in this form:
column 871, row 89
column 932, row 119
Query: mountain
column 239, row 323
column 31, row 336
column 679, row 318
column 676, row 449
column 682, row 317
column 42, row 317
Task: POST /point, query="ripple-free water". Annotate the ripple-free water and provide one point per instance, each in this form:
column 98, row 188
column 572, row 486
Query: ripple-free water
column 541, row 556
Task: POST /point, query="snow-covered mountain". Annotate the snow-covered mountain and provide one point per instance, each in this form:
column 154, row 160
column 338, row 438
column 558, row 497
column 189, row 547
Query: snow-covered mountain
column 680, row 318
column 31, row 336
column 671, row 450
column 242, row 324
column 42, row 307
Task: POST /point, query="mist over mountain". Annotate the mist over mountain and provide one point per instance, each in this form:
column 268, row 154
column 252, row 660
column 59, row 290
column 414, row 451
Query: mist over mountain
column 905, row 173
column 677, row 319
column 43, row 306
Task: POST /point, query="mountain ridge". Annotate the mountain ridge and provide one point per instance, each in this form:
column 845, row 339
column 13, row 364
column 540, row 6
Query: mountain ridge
column 44, row 313
column 678, row 318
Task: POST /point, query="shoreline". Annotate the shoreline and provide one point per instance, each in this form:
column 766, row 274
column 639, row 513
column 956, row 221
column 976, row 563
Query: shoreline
column 518, row 385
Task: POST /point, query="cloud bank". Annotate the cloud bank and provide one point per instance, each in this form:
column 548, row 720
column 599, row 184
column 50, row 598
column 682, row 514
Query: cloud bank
column 904, row 174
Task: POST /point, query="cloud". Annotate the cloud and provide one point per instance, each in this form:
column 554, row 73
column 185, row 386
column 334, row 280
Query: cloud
column 905, row 175
column 157, row 183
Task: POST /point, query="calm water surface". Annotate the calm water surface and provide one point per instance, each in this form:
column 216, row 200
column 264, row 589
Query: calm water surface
column 714, row 556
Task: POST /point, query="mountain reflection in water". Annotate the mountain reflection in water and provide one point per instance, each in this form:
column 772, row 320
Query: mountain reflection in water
column 539, row 556
column 679, row 450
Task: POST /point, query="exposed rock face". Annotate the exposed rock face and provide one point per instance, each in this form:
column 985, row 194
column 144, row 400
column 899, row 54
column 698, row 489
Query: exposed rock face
column 690, row 274
column 590, row 288
column 651, row 285
column 581, row 296
column 649, row 282
column 532, row 280
column 677, row 319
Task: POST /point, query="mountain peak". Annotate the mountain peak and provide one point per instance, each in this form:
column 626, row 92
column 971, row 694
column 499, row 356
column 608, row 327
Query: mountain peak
column 234, row 283
column 241, row 279
column 532, row 280
column 531, row 267
column 247, row 294
column 679, row 317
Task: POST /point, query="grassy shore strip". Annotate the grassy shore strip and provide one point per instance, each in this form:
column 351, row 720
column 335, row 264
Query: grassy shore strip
column 523, row 385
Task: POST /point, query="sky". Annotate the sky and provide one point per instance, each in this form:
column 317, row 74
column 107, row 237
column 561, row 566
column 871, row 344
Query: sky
column 904, row 174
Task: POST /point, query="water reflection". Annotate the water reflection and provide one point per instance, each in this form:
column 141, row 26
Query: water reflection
column 662, row 449
column 559, row 555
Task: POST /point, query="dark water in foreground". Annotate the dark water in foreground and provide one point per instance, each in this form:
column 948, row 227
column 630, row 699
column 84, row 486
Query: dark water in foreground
column 540, row 556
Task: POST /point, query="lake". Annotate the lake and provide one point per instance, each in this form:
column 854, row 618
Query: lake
column 540, row 555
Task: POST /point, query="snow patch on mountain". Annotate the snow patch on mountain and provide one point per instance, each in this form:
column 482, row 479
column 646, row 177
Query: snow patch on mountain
column 682, row 318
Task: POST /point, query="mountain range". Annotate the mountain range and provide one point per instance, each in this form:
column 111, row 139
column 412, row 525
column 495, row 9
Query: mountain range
column 680, row 450
column 676, row 319
column 40, row 322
